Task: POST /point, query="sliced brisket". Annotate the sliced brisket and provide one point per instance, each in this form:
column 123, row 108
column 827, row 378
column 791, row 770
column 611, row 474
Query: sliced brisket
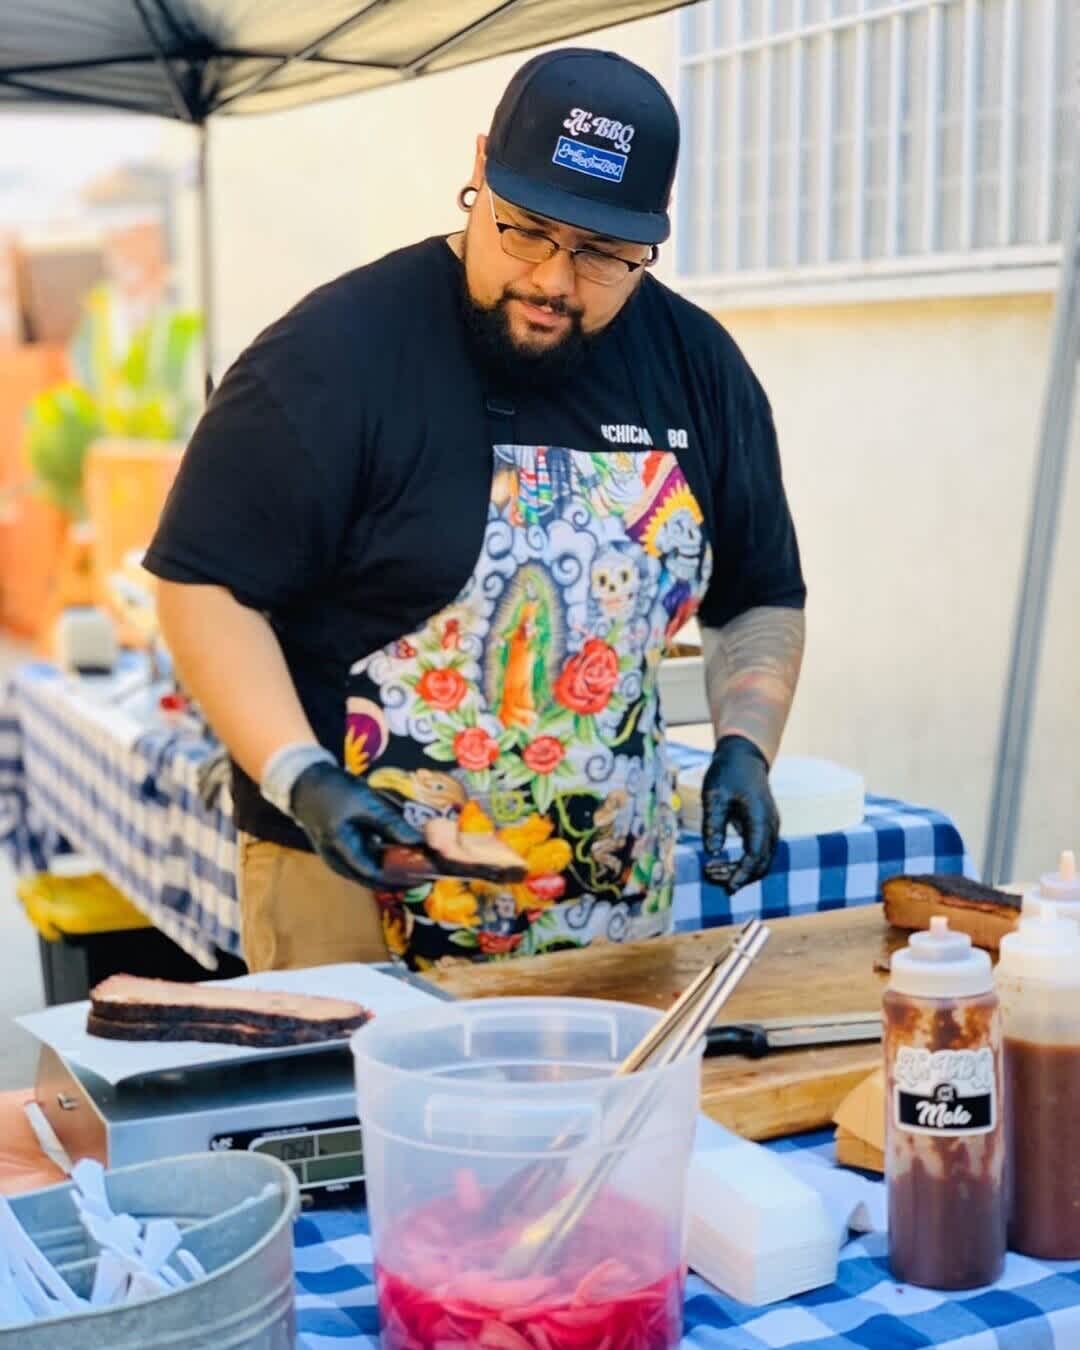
column 128, row 1007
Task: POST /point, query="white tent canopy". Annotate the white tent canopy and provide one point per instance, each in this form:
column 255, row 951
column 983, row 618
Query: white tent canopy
column 193, row 59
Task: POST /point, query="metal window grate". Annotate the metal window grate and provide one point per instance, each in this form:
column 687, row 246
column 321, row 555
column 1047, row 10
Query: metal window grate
column 824, row 134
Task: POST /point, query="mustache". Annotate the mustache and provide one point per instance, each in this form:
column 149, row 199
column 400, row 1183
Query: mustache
column 558, row 304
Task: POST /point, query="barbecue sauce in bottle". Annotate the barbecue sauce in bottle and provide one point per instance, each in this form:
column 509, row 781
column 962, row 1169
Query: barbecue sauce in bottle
column 1038, row 982
column 944, row 1132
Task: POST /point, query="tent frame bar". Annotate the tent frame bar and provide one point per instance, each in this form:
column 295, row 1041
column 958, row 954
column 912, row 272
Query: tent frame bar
column 170, row 21
column 88, row 63
column 304, row 54
column 143, row 58
column 69, row 96
column 1014, row 735
column 186, row 108
column 206, row 258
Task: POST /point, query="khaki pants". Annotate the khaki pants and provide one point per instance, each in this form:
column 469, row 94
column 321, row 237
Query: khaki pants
column 295, row 911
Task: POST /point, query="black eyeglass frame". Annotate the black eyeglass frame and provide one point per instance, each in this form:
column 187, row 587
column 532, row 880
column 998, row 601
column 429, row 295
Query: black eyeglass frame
column 631, row 267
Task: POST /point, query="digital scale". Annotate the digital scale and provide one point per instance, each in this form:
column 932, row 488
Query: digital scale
column 297, row 1107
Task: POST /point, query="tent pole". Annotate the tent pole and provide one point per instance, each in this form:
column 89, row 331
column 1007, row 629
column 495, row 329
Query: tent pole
column 206, row 260
column 1015, row 728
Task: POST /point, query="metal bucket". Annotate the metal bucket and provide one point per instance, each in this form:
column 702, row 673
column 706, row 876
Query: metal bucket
column 242, row 1237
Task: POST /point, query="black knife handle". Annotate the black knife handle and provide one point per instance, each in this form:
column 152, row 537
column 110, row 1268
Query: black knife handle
column 749, row 1041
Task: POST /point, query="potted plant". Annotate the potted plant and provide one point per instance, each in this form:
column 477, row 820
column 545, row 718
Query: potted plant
column 131, row 390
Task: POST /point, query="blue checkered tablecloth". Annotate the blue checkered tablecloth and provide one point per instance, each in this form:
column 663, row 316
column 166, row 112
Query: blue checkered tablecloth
column 1034, row 1306
column 74, row 772
column 26, row 836
column 812, row 873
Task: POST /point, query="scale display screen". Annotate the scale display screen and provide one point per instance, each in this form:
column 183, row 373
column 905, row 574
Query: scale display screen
column 340, row 1141
column 326, row 1155
column 331, row 1169
column 293, row 1149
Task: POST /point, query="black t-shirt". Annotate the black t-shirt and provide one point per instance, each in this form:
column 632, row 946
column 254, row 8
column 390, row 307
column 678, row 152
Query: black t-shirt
column 339, row 479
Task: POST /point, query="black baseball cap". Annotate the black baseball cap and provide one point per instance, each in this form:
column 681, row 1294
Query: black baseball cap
column 590, row 139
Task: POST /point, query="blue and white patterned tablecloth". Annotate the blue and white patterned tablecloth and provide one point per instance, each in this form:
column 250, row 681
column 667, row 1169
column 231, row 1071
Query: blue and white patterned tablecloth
column 1034, row 1306
column 75, row 770
column 812, row 873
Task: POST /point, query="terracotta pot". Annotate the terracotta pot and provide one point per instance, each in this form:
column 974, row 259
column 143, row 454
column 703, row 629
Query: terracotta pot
column 24, row 372
column 32, row 530
column 31, row 543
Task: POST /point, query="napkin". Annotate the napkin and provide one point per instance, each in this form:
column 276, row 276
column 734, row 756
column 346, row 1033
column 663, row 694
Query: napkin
column 762, row 1227
column 854, row 1204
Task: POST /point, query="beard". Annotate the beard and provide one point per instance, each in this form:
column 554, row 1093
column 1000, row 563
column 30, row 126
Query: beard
column 510, row 363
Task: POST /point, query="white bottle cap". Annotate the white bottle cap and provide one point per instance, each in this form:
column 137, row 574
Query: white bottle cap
column 1064, row 884
column 941, row 964
column 1045, row 945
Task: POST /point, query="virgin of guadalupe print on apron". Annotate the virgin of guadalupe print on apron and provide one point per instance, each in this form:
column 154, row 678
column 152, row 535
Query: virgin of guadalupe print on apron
column 529, row 707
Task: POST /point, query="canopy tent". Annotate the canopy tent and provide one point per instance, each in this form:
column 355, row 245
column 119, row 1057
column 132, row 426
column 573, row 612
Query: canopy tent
column 197, row 59
column 193, row 59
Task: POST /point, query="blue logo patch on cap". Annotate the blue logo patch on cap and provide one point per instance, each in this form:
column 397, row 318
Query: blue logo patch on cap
column 590, row 159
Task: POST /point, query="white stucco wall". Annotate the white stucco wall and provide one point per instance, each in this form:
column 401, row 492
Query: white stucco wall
column 908, row 432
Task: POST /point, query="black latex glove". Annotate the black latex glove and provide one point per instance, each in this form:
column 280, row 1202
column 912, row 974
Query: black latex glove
column 348, row 823
column 736, row 792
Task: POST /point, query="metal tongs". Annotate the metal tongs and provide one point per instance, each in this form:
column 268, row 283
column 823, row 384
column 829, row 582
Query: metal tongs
column 677, row 1035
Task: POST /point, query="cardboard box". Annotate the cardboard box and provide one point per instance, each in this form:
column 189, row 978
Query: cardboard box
column 54, row 278
column 10, row 315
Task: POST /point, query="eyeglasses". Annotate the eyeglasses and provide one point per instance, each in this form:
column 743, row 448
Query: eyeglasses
column 606, row 269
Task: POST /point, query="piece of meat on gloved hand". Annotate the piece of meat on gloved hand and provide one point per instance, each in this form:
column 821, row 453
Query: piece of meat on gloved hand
column 473, row 854
column 452, row 853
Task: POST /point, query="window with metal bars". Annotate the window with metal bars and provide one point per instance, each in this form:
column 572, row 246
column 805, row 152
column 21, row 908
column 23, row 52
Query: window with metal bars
column 851, row 138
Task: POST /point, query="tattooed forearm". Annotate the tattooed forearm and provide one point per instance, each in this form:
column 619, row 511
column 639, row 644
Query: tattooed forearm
column 751, row 670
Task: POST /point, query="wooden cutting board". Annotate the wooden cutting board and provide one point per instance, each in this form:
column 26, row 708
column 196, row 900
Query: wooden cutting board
column 820, row 964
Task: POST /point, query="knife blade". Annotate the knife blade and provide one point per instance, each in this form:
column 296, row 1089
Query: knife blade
column 754, row 1040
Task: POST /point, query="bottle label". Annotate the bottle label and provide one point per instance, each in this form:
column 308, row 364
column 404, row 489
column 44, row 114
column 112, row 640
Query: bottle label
column 945, row 1092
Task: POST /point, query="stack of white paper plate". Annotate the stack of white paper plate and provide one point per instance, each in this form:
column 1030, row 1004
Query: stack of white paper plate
column 815, row 796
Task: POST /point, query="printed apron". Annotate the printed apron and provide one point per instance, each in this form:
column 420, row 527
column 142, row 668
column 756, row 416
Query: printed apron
column 529, row 706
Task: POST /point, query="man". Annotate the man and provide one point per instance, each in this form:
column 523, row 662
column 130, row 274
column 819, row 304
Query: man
column 434, row 531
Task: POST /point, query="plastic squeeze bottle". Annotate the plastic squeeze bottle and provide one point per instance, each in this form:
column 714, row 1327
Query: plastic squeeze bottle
column 944, row 1133
column 1038, row 983
column 1062, row 885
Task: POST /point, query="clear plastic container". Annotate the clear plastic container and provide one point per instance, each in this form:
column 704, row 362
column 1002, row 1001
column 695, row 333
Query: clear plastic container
column 1038, row 983
column 455, row 1102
